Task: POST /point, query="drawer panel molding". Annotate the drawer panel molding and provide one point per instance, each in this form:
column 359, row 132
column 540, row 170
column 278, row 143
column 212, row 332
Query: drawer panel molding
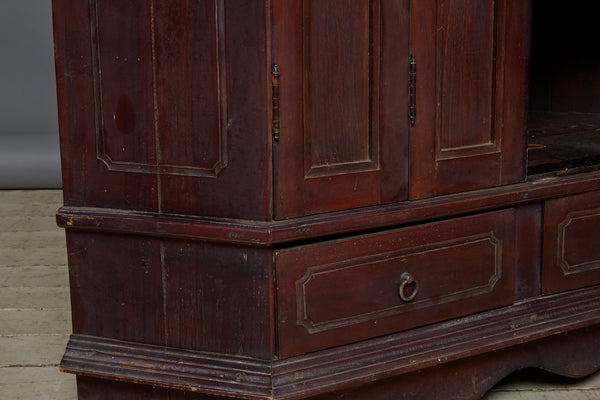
column 571, row 256
column 347, row 290
column 579, row 230
column 390, row 265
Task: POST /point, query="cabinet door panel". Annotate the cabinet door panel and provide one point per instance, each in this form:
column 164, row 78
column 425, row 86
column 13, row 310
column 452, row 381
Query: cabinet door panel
column 349, row 142
column 471, row 82
column 465, row 56
column 343, row 131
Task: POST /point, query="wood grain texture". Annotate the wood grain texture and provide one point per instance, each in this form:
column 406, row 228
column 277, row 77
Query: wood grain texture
column 571, row 230
column 219, row 298
column 139, row 110
column 47, row 383
column 28, row 383
column 33, row 276
column 339, row 104
column 471, row 82
column 567, row 333
column 347, row 290
column 268, row 233
column 210, row 257
column 116, row 286
column 78, row 114
column 183, row 294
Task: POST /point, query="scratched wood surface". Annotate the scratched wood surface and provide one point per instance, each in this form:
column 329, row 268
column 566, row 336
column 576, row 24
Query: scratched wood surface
column 35, row 312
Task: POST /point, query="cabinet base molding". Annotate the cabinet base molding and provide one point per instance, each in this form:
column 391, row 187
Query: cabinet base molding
column 556, row 333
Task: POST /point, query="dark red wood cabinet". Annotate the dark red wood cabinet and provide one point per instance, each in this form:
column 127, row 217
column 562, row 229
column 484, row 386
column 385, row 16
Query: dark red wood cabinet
column 358, row 199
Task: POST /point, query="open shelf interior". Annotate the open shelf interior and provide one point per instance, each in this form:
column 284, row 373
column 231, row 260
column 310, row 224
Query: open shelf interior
column 564, row 111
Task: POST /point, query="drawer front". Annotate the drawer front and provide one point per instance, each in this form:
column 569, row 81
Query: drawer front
column 344, row 291
column 571, row 255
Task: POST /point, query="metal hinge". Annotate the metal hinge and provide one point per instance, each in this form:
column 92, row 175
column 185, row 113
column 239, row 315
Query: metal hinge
column 275, row 125
column 412, row 90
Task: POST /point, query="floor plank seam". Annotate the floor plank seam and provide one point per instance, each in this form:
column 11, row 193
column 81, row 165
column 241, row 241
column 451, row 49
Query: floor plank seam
column 30, row 366
column 9, row 335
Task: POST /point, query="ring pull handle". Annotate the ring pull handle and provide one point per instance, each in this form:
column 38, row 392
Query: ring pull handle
column 408, row 280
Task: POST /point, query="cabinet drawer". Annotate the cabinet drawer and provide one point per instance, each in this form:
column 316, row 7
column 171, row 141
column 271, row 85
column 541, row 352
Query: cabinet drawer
column 571, row 255
column 342, row 291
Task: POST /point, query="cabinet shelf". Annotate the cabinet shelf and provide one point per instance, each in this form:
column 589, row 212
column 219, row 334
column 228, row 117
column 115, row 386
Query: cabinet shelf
column 562, row 141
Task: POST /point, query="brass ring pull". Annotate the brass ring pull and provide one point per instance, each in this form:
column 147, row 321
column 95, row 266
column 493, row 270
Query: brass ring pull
column 408, row 280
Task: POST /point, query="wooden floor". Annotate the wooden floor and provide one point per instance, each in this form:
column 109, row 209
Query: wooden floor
column 35, row 319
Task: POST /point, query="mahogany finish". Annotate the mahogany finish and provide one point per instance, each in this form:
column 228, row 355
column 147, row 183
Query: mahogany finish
column 472, row 95
column 342, row 291
column 303, row 199
column 571, row 251
column 142, row 81
column 344, row 141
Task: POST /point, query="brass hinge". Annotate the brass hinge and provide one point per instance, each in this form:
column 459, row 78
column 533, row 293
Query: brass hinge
column 412, row 90
column 275, row 127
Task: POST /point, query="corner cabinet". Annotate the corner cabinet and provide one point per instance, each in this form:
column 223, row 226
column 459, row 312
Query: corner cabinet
column 299, row 199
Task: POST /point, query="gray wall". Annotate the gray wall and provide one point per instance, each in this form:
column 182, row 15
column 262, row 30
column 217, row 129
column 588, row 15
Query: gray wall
column 29, row 153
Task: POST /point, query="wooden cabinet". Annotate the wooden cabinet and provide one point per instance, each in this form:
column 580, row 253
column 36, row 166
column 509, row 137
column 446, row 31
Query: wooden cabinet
column 300, row 199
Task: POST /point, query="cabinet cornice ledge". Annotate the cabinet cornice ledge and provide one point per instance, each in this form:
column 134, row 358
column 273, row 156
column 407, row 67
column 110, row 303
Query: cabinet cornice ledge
column 268, row 233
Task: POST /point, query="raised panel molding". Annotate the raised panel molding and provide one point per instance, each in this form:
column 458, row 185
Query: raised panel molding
column 467, row 79
column 574, row 260
column 492, row 261
column 136, row 112
column 341, row 134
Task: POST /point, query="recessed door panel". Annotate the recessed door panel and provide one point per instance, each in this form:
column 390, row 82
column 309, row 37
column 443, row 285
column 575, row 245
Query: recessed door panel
column 471, row 100
column 343, row 132
column 341, row 81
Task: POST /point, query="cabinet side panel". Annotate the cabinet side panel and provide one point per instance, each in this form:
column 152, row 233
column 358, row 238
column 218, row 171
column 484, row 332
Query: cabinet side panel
column 116, row 289
column 164, row 107
column 571, row 254
column 124, row 94
column 218, row 298
column 96, row 138
column 344, row 291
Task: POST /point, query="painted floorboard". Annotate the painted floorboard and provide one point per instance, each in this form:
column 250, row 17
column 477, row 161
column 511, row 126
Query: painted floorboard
column 39, row 383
